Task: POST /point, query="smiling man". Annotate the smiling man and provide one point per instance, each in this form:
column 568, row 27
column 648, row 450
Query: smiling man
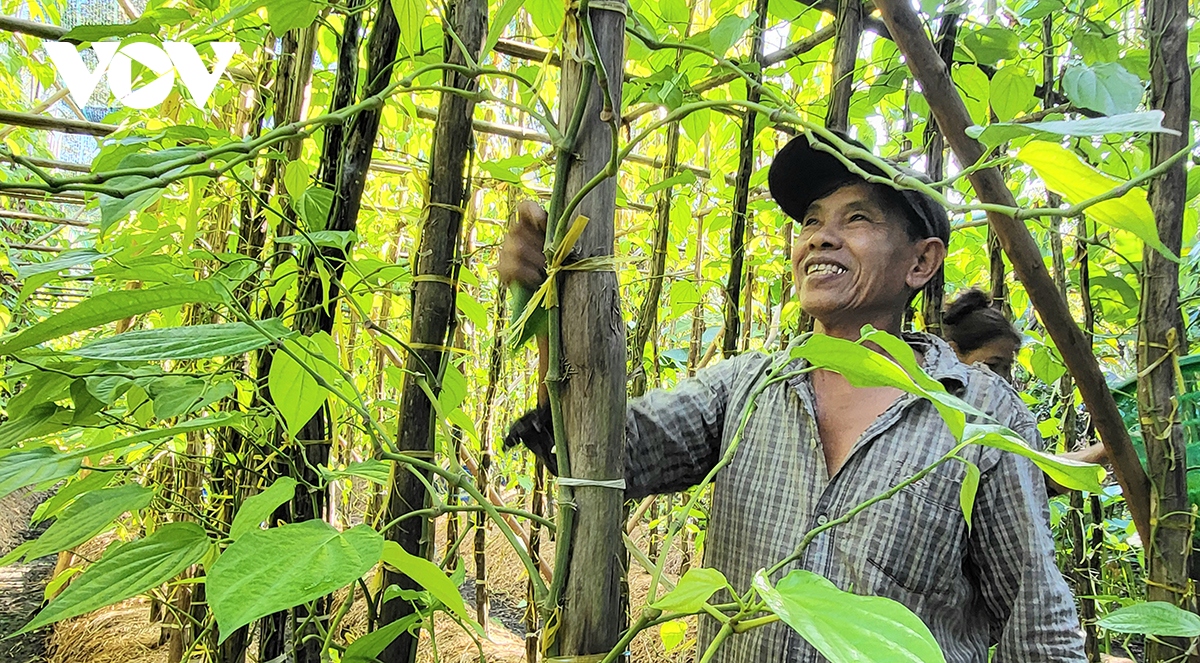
column 816, row 447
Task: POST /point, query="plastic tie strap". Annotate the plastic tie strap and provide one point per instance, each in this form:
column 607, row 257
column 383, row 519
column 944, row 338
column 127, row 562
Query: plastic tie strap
column 576, row 482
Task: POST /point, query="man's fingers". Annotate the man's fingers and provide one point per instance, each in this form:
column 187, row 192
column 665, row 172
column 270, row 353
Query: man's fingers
column 531, row 214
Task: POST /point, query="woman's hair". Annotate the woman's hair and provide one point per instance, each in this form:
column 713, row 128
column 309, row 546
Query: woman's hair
column 970, row 322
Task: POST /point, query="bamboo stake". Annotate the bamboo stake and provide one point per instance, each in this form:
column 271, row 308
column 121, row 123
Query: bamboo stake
column 953, row 119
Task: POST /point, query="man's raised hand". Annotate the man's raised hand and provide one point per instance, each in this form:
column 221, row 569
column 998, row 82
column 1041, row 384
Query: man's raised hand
column 522, row 256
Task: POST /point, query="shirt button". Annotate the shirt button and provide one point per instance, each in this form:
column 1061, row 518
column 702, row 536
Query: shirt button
column 822, row 519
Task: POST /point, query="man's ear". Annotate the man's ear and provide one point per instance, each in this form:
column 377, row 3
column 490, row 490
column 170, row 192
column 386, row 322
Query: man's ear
column 931, row 253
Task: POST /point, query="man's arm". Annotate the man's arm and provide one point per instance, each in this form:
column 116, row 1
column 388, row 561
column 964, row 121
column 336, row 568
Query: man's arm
column 1032, row 609
column 673, row 438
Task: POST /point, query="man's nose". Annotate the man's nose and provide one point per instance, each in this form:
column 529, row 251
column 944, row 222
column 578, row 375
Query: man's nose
column 824, row 236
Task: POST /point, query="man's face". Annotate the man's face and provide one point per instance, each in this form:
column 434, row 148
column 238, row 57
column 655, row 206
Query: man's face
column 853, row 261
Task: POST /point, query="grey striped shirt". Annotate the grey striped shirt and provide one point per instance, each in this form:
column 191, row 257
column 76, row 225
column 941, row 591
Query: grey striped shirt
column 995, row 583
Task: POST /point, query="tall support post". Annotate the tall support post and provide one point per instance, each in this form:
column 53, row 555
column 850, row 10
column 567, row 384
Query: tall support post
column 848, row 28
column 930, row 71
column 933, row 296
column 1161, row 336
column 433, row 301
column 588, row 377
column 741, row 194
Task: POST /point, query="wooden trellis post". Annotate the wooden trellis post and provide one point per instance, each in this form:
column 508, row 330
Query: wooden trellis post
column 1162, row 338
column 433, row 304
column 590, row 376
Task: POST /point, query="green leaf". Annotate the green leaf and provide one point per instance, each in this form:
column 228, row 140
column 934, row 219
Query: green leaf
column 1106, row 88
column 51, row 507
column 315, row 204
column 122, row 444
column 692, row 591
column 970, row 487
column 427, row 574
column 1000, row 132
column 34, row 423
column 685, row 177
column 1071, row 474
column 500, row 21
column 65, row 260
column 534, row 325
column 547, row 15
column 113, row 210
column 471, row 308
column 128, row 570
column 992, row 44
column 1066, row 174
column 409, row 14
column 696, row 123
column 728, row 31
column 89, row 515
column 863, row 367
column 190, row 342
column 1153, row 618
column 285, row 15
column 367, row 648
column 258, row 508
column 338, row 239
column 109, row 307
column 674, row 11
column 672, row 634
column 1011, row 92
column 974, row 87
column 265, row 571
column 371, row 469
column 296, row 393
column 26, row 467
column 295, row 178
column 845, row 627
column 1036, row 10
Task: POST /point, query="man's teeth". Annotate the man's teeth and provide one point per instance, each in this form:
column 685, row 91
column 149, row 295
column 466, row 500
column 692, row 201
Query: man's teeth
column 823, row 268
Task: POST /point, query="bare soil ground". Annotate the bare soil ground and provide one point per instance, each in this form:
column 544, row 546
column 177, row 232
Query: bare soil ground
column 123, row 633
column 22, row 586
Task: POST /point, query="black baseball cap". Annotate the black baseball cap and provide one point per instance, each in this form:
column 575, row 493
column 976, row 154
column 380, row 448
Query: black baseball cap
column 802, row 173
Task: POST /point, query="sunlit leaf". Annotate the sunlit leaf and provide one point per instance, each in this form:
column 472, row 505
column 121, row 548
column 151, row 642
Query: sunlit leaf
column 127, row 570
column 1066, row 174
column 427, row 574
column 265, row 571
column 108, row 307
column 1071, row 474
column 191, row 342
column 1152, row 618
column 691, row 592
column 1140, row 122
column 258, row 508
column 845, row 627
column 88, row 516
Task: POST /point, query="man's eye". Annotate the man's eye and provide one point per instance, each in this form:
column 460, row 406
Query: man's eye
column 808, row 222
column 859, row 217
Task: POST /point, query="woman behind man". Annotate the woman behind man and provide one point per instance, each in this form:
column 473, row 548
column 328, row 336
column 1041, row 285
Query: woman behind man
column 980, row 334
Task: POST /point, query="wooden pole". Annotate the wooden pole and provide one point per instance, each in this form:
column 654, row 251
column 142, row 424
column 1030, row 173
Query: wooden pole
column 435, row 276
column 741, row 194
column 849, row 23
column 1162, row 338
column 934, row 294
column 952, row 117
column 591, row 377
